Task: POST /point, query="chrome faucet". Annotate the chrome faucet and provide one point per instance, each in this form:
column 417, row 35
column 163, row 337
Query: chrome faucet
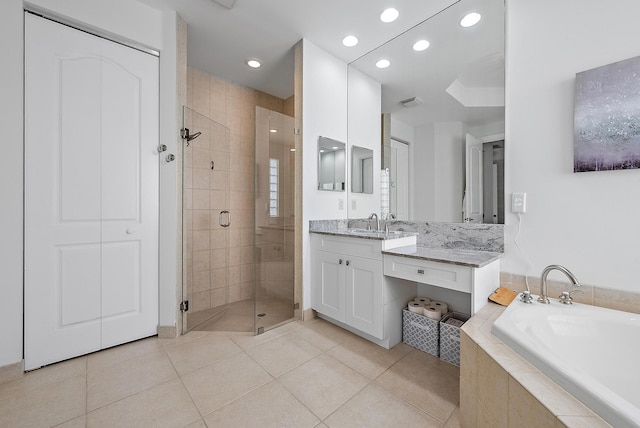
column 377, row 221
column 543, row 281
column 390, row 216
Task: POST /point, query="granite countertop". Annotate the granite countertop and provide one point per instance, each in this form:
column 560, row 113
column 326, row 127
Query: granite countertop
column 472, row 258
column 365, row 234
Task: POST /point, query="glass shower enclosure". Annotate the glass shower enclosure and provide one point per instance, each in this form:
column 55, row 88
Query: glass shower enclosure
column 237, row 228
column 274, row 218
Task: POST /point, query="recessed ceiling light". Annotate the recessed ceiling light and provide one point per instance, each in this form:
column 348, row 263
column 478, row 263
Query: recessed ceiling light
column 420, row 45
column 335, row 147
column 350, row 41
column 470, row 19
column 321, row 150
column 383, row 63
column 389, row 15
column 254, row 63
column 273, row 131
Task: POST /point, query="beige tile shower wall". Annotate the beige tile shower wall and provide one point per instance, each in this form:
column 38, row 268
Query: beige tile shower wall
column 219, row 261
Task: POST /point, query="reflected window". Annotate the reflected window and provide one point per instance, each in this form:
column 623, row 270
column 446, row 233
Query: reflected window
column 273, row 187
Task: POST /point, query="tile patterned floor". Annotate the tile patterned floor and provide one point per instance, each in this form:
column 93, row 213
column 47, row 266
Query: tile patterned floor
column 310, row 374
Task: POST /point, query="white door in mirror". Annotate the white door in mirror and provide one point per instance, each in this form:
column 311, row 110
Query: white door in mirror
column 472, row 204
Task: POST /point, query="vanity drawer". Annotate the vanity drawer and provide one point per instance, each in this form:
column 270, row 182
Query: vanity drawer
column 368, row 248
column 451, row 276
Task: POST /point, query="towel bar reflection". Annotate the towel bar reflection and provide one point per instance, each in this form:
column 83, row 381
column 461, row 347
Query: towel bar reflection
column 228, row 222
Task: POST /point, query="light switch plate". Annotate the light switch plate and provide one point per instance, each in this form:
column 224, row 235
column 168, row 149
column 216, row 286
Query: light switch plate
column 354, row 206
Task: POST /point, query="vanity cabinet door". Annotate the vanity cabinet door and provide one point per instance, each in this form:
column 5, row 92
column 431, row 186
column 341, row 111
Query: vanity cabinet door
column 329, row 282
column 363, row 292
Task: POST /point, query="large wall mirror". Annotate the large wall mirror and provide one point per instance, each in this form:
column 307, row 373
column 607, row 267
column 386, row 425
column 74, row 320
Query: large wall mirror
column 331, row 164
column 443, row 115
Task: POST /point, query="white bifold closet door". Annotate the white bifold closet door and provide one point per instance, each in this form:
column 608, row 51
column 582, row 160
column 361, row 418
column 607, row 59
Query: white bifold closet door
column 91, row 193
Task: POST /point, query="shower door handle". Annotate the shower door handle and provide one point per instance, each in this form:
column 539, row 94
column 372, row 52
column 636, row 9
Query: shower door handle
column 228, row 223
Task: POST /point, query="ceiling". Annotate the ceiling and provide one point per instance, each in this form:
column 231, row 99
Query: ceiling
column 221, row 39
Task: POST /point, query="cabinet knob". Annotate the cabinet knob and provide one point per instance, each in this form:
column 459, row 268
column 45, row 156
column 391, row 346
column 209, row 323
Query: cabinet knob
column 347, row 262
column 421, row 271
column 339, row 261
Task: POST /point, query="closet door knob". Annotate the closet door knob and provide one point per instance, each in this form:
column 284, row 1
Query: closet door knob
column 129, row 231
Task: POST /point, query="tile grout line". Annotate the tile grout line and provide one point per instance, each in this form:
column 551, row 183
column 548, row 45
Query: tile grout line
column 409, row 403
column 276, row 379
column 298, row 400
column 185, row 386
column 86, row 392
column 242, row 395
column 136, row 393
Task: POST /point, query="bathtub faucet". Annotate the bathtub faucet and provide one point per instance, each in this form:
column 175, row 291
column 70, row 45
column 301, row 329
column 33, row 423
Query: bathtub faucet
column 543, row 281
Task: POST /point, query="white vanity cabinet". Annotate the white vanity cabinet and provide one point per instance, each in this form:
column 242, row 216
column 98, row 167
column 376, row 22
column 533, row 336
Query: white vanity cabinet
column 349, row 289
column 348, row 286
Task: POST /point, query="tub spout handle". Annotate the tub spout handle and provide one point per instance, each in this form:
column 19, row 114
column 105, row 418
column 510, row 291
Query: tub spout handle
column 566, row 298
column 526, row 297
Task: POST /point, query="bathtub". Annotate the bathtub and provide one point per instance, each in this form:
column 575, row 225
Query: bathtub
column 592, row 352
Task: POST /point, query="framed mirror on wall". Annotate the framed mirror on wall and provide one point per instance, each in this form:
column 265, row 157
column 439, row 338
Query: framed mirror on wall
column 361, row 170
column 332, row 158
column 444, row 82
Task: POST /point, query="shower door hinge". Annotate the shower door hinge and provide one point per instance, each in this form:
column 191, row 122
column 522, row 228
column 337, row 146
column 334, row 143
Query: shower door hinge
column 184, row 306
column 296, row 306
column 296, row 131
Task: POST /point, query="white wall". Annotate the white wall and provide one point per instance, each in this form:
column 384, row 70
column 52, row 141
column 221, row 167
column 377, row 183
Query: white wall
column 487, row 130
column 401, row 131
column 11, row 221
column 364, row 114
column 172, row 95
column 118, row 17
column 324, row 113
column 587, row 221
column 449, row 171
column 438, row 172
column 423, row 160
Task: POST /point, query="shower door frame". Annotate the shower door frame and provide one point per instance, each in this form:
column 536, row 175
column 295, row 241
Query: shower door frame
column 189, row 304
